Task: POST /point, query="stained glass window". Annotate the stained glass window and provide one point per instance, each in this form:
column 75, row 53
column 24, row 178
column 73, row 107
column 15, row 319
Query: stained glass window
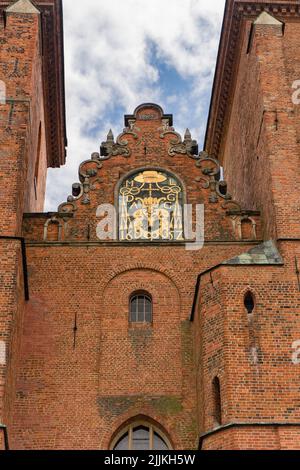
column 151, row 207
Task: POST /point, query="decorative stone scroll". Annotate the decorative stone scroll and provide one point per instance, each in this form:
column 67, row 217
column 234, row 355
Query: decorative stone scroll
column 110, row 148
column 209, row 177
column 210, row 168
column 88, row 171
column 188, row 146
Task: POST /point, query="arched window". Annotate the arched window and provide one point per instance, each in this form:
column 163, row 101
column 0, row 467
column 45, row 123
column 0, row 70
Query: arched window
column 217, row 404
column 151, row 207
column 140, row 308
column 249, row 302
column 141, row 436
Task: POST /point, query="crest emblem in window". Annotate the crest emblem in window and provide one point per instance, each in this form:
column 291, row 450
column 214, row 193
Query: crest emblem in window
column 150, row 207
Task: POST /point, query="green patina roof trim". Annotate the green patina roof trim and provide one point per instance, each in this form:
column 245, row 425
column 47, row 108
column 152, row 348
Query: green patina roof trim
column 264, row 254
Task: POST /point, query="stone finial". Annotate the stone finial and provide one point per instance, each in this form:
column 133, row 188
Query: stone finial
column 23, row 6
column 110, row 136
column 266, row 19
column 110, row 148
column 187, row 136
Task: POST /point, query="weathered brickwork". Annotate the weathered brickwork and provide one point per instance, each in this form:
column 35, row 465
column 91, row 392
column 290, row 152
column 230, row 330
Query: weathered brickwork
column 116, row 371
column 23, row 166
column 251, row 354
column 21, row 121
column 215, row 368
column 259, row 148
column 255, row 438
column 262, row 142
column 11, row 322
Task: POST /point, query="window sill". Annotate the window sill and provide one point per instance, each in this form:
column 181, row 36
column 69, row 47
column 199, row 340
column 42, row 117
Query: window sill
column 140, row 326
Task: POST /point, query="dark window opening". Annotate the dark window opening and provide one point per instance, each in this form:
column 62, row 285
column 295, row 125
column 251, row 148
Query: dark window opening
column 223, row 188
column 249, row 302
column 217, row 410
column 76, row 189
column 250, row 39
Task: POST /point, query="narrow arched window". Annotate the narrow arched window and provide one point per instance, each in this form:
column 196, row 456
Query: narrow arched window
column 217, row 403
column 141, row 436
column 249, row 302
column 141, row 310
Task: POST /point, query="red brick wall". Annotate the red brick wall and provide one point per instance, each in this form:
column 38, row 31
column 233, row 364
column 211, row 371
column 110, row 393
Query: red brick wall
column 251, row 354
column 77, row 395
column 116, row 371
column 261, row 159
column 292, row 66
column 209, row 334
column 20, row 118
column 261, row 152
column 254, row 438
column 11, row 308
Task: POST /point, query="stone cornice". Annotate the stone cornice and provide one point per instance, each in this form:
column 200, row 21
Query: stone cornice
column 236, row 13
column 53, row 77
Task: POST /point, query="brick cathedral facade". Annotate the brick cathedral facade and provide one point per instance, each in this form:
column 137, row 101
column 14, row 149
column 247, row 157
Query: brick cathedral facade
column 136, row 341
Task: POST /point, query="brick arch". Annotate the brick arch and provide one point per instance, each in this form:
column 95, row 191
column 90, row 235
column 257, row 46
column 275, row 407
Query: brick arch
column 171, row 275
column 136, row 284
column 142, row 349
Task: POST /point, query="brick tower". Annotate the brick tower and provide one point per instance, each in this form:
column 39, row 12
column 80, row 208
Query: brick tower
column 32, row 138
column 117, row 331
column 253, row 130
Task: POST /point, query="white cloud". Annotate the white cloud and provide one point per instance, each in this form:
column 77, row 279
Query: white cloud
column 110, row 65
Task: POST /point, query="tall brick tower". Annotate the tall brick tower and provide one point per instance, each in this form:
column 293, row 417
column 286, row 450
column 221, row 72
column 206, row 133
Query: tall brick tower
column 32, row 137
column 117, row 331
column 254, row 130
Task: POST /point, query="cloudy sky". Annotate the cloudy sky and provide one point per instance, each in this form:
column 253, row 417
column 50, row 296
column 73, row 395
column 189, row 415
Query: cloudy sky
column 119, row 54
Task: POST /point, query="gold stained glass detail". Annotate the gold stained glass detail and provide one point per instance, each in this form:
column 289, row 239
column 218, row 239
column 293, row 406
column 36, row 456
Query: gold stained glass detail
column 150, row 207
column 150, row 177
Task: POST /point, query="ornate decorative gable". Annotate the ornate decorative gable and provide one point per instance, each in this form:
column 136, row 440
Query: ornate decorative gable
column 148, row 113
column 149, row 124
column 152, row 164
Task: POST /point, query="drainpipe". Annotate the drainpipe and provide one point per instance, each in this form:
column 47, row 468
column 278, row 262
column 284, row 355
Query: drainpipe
column 5, row 434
